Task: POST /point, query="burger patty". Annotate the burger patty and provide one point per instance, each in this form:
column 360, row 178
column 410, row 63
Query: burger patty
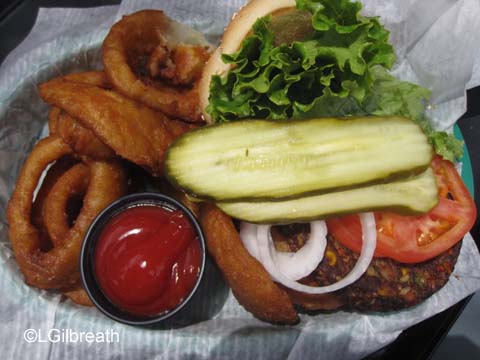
column 386, row 285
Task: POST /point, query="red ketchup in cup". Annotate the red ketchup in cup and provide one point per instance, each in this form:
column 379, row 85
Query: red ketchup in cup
column 148, row 259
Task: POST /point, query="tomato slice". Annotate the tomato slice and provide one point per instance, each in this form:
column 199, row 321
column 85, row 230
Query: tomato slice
column 413, row 239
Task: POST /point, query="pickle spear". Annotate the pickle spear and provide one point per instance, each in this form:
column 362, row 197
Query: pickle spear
column 262, row 159
column 412, row 196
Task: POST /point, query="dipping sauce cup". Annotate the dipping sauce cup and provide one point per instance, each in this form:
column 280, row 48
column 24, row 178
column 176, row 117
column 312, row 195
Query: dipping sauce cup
column 143, row 259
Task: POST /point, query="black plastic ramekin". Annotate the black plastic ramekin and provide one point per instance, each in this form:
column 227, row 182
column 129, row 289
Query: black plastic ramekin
column 179, row 316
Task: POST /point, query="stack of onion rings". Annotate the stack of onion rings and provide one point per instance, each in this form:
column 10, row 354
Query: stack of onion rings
column 48, row 263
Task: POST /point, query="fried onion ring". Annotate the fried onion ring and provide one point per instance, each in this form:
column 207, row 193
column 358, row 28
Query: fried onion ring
column 132, row 130
column 74, row 182
column 58, row 267
column 53, row 174
column 249, row 281
column 144, row 38
column 46, row 210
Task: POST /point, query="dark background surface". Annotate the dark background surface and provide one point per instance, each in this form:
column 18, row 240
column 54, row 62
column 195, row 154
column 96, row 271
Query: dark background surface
column 418, row 342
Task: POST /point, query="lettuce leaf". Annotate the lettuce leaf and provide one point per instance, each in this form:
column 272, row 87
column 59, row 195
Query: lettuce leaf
column 338, row 67
column 390, row 96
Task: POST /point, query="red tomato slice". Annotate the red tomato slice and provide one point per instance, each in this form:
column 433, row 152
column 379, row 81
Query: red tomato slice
column 413, row 239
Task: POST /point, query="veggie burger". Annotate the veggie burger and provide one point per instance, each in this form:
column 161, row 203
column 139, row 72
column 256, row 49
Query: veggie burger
column 342, row 194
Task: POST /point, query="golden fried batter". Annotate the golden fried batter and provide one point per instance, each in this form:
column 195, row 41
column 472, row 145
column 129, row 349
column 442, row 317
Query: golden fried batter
column 73, row 182
column 250, row 283
column 38, row 219
column 56, row 267
column 53, row 115
column 97, row 78
column 132, row 130
column 59, row 176
column 78, row 295
column 181, row 66
column 137, row 47
column 82, row 140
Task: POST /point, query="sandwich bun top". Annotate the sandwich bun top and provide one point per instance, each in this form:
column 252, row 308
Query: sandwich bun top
column 239, row 27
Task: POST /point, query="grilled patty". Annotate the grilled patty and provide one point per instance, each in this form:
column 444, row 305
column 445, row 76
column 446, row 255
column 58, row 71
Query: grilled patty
column 387, row 285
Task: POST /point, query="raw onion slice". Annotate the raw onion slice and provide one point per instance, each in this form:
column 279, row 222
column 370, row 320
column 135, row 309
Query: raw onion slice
column 369, row 235
column 248, row 234
column 297, row 265
column 294, row 265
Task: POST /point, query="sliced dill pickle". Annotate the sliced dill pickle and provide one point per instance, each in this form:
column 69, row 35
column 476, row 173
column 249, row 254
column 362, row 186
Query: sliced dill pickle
column 412, row 196
column 261, row 159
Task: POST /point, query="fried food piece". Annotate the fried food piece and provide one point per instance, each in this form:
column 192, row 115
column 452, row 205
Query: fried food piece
column 309, row 302
column 179, row 127
column 183, row 65
column 83, row 141
column 57, row 267
column 250, row 282
column 387, row 285
column 96, row 78
column 78, row 295
column 72, row 183
column 132, row 130
column 50, row 214
column 140, row 46
column 158, row 61
column 51, row 177
column 53, row 120
column 53, row 173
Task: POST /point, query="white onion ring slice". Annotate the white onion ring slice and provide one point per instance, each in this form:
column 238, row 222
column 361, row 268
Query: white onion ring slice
column 369, row 235
column 294, row 265
column 297, row 265
column 248, row 234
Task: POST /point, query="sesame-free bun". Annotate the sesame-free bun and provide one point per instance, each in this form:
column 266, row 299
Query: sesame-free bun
column 239, row 27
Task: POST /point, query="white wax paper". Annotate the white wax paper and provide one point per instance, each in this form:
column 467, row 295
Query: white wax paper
column 437, row 43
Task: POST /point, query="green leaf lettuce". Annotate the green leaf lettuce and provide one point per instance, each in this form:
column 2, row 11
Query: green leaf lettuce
column 336, row 66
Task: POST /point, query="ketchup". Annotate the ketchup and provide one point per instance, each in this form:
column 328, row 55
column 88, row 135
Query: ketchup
column 147, row 259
